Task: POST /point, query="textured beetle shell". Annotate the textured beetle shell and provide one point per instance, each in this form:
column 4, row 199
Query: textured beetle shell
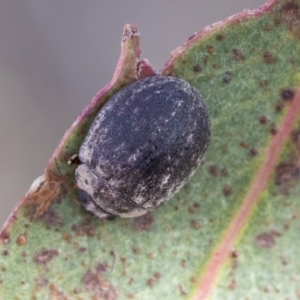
column 144, row 144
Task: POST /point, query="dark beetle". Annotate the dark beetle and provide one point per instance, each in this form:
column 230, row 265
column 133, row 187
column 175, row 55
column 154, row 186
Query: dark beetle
column 144, row 144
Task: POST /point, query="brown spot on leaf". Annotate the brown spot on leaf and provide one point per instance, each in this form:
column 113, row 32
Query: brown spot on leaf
column 51, row 218
column 264, row 84
column 195, row 224
column 238, row 55
column 263, row 120
column 224, row 172
column 151, row 281
column 279, row 107
column 191, row 210
column 253, row 152
column 136, row 250
column 197, row 68
column 235, row 254
column 210, row 49
column 21, row 240
column 95, row 282
column 244, row 145
column 290, row 13
column 287, row 174
column 44, row 256
column 287, row 94
column 154, row 279
column 4, row 237
column 265, row 240
column 56, row 294
column 5, row 253
column 90, row 232
column 273, row 130
column 227, row 190
column 269, row 57
column 143, row 222
column 220, row 37
column 213, row 170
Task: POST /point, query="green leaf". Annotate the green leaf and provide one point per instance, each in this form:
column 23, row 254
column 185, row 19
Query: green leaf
column 231, row 233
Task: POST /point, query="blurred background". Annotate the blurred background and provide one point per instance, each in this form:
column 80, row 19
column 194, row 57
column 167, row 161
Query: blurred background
column 56, row 55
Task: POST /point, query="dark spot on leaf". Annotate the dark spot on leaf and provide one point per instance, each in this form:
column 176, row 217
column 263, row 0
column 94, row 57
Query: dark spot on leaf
column 197, row 68
column 238, row 55
column 263, row 120
column 196, row 205
column 265, row 240
column 253, row 152
column 290, row 13
column 220, row 37
column 195, row 224
column 235, row 254
column 264, row 83
column 244, row 145
column 137, row 250
column 95, row 282
column 210, row 49
column 273, row 130
column 143, row 222
column 90, row 232
column 82, row 249
column 5, row 253
column 287, row 94
column 51, row 218
column 224, row 172
column 151, row 281
column 227, row 190
column 288, row 174
column 191, row 210
column 216, row 66
column 269, row 58
column 279, row 107
column 44, row 256
column 227, row 77
column 213, row 170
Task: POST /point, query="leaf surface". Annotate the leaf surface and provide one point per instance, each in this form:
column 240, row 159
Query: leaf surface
column 231, row 233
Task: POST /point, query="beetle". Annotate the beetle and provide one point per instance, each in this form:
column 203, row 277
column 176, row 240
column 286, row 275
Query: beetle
column 142, row 147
